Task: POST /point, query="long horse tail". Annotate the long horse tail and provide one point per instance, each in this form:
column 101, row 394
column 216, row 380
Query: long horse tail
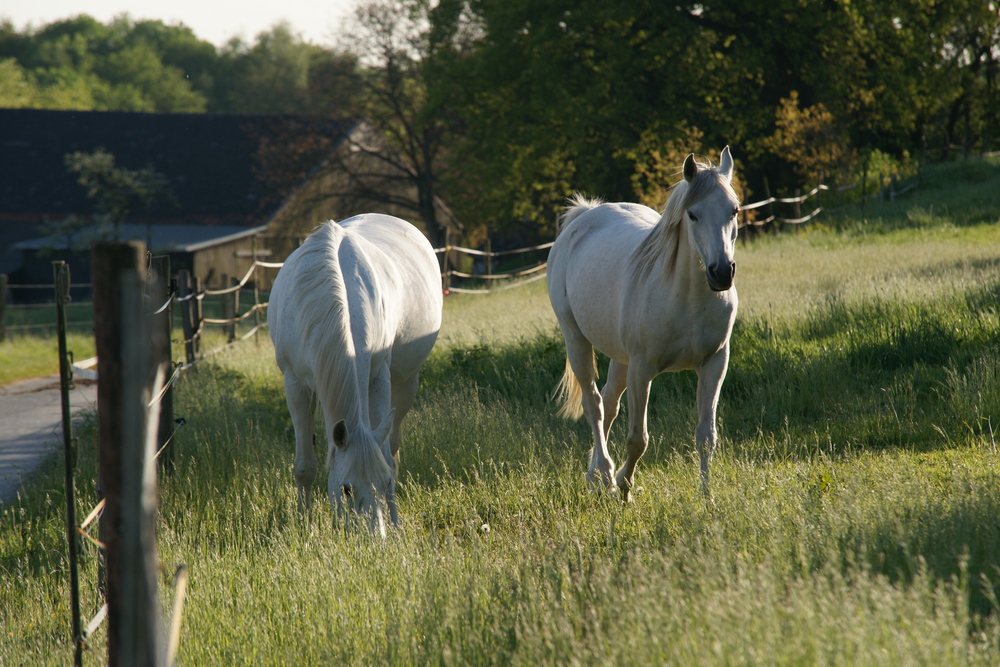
column 570, row 394
column 577, row 204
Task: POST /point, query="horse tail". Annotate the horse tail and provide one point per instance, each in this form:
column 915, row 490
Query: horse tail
column 570, row 393
column 577, row 204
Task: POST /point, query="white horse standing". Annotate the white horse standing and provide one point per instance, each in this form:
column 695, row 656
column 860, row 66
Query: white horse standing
column 353, row 314
column 654, row 293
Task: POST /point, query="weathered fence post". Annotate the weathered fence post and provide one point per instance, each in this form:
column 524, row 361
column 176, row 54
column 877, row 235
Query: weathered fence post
column 61, row 282
column 256, row 295
column 445, row 277
column 797, row 206
column 140, row 635
column 770, row 206
column 227, row 311
column 236, row 304
column 197, row 314
column 110, row 262
column 187, row 326
column 489, row 261
column 163, row 328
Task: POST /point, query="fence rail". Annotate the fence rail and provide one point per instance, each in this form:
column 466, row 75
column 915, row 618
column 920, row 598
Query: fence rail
column 488, row 280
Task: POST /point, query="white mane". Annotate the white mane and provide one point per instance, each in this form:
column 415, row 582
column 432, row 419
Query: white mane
column 323, row 317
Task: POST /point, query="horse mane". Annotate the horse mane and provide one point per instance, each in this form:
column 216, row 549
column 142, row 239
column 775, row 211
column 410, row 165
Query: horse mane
column 663, row 240
column 323, row 316
column 577, row 204
column 365, row 459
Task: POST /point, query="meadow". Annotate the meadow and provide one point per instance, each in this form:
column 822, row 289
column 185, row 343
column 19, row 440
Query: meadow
column 854, row 518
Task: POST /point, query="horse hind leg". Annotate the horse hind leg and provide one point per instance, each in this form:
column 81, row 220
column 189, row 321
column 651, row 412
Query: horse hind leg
column 638, row 437
column 302, row 406
column 404, row 393
column 580, row 353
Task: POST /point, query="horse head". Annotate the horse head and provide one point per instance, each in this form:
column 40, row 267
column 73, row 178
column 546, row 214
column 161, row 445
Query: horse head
column 711, row 208
column 362, row 481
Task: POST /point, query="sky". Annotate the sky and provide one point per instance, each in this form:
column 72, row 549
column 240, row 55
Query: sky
column 317, row 21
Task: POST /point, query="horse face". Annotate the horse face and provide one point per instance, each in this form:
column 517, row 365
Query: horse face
column 712, row 223
column 361, row 483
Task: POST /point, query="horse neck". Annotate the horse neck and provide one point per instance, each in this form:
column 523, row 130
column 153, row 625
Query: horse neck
column 666, row 255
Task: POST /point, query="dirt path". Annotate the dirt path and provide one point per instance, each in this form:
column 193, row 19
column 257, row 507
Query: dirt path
column 31, row 426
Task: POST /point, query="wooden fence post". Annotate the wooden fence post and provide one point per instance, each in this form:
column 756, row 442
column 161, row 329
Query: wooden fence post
column 256, row 295
column 227, row 311
column 444, row 259
column 141, row 640
column 110, row 261
column 489, row 262
column 197, row 314
column 797, row 208
column 236, row 304
column 3, row 306
column 163, row 331
column 187, row 326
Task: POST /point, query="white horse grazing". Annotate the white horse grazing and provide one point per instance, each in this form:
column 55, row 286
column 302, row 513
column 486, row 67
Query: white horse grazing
column 654, row 293
column 353, row 314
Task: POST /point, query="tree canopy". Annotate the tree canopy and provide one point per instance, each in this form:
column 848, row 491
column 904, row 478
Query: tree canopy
column 504, row 107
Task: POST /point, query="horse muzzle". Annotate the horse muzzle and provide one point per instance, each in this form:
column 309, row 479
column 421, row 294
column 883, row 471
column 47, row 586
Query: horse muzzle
column 720, row 276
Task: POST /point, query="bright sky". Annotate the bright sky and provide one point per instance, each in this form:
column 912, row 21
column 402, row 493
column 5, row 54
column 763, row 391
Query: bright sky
column 214, row 21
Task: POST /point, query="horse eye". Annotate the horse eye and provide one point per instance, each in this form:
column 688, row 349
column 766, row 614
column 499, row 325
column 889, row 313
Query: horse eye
column 693, row 217
column 736, row 212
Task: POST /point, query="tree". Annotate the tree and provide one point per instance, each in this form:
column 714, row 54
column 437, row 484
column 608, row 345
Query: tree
column 813, row 142
column 79, row 63
column 393, row 44
column 117, row 191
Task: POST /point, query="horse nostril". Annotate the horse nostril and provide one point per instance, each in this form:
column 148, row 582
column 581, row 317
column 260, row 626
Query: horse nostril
column 732, row 270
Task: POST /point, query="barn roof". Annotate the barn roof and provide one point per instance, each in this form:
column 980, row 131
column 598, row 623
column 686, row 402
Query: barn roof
column 211, row 161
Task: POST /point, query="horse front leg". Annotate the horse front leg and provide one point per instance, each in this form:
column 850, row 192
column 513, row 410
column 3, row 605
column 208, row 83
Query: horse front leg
column 639, row 378
column 302, row 406
column 711, row 373
column 611, row 394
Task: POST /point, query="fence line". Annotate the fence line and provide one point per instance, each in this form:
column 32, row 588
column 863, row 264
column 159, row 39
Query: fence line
column 800, row 199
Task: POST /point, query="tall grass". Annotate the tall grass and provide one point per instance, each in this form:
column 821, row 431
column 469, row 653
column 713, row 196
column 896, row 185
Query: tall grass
column 853, row 518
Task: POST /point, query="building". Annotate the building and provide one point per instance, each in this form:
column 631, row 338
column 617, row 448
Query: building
column 233, row 178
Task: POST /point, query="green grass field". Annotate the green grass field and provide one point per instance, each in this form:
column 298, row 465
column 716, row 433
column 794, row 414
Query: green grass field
column 855, row 517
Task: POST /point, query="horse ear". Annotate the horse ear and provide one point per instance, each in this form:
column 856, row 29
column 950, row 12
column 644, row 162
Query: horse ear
column 340, row 435
column 726, row 164
column 690, row 168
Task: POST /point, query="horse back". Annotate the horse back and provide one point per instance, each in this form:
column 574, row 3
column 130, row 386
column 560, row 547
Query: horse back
column 588, row 269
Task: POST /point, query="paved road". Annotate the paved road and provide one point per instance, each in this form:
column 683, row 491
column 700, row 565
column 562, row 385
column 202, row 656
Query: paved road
column 31, row 426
